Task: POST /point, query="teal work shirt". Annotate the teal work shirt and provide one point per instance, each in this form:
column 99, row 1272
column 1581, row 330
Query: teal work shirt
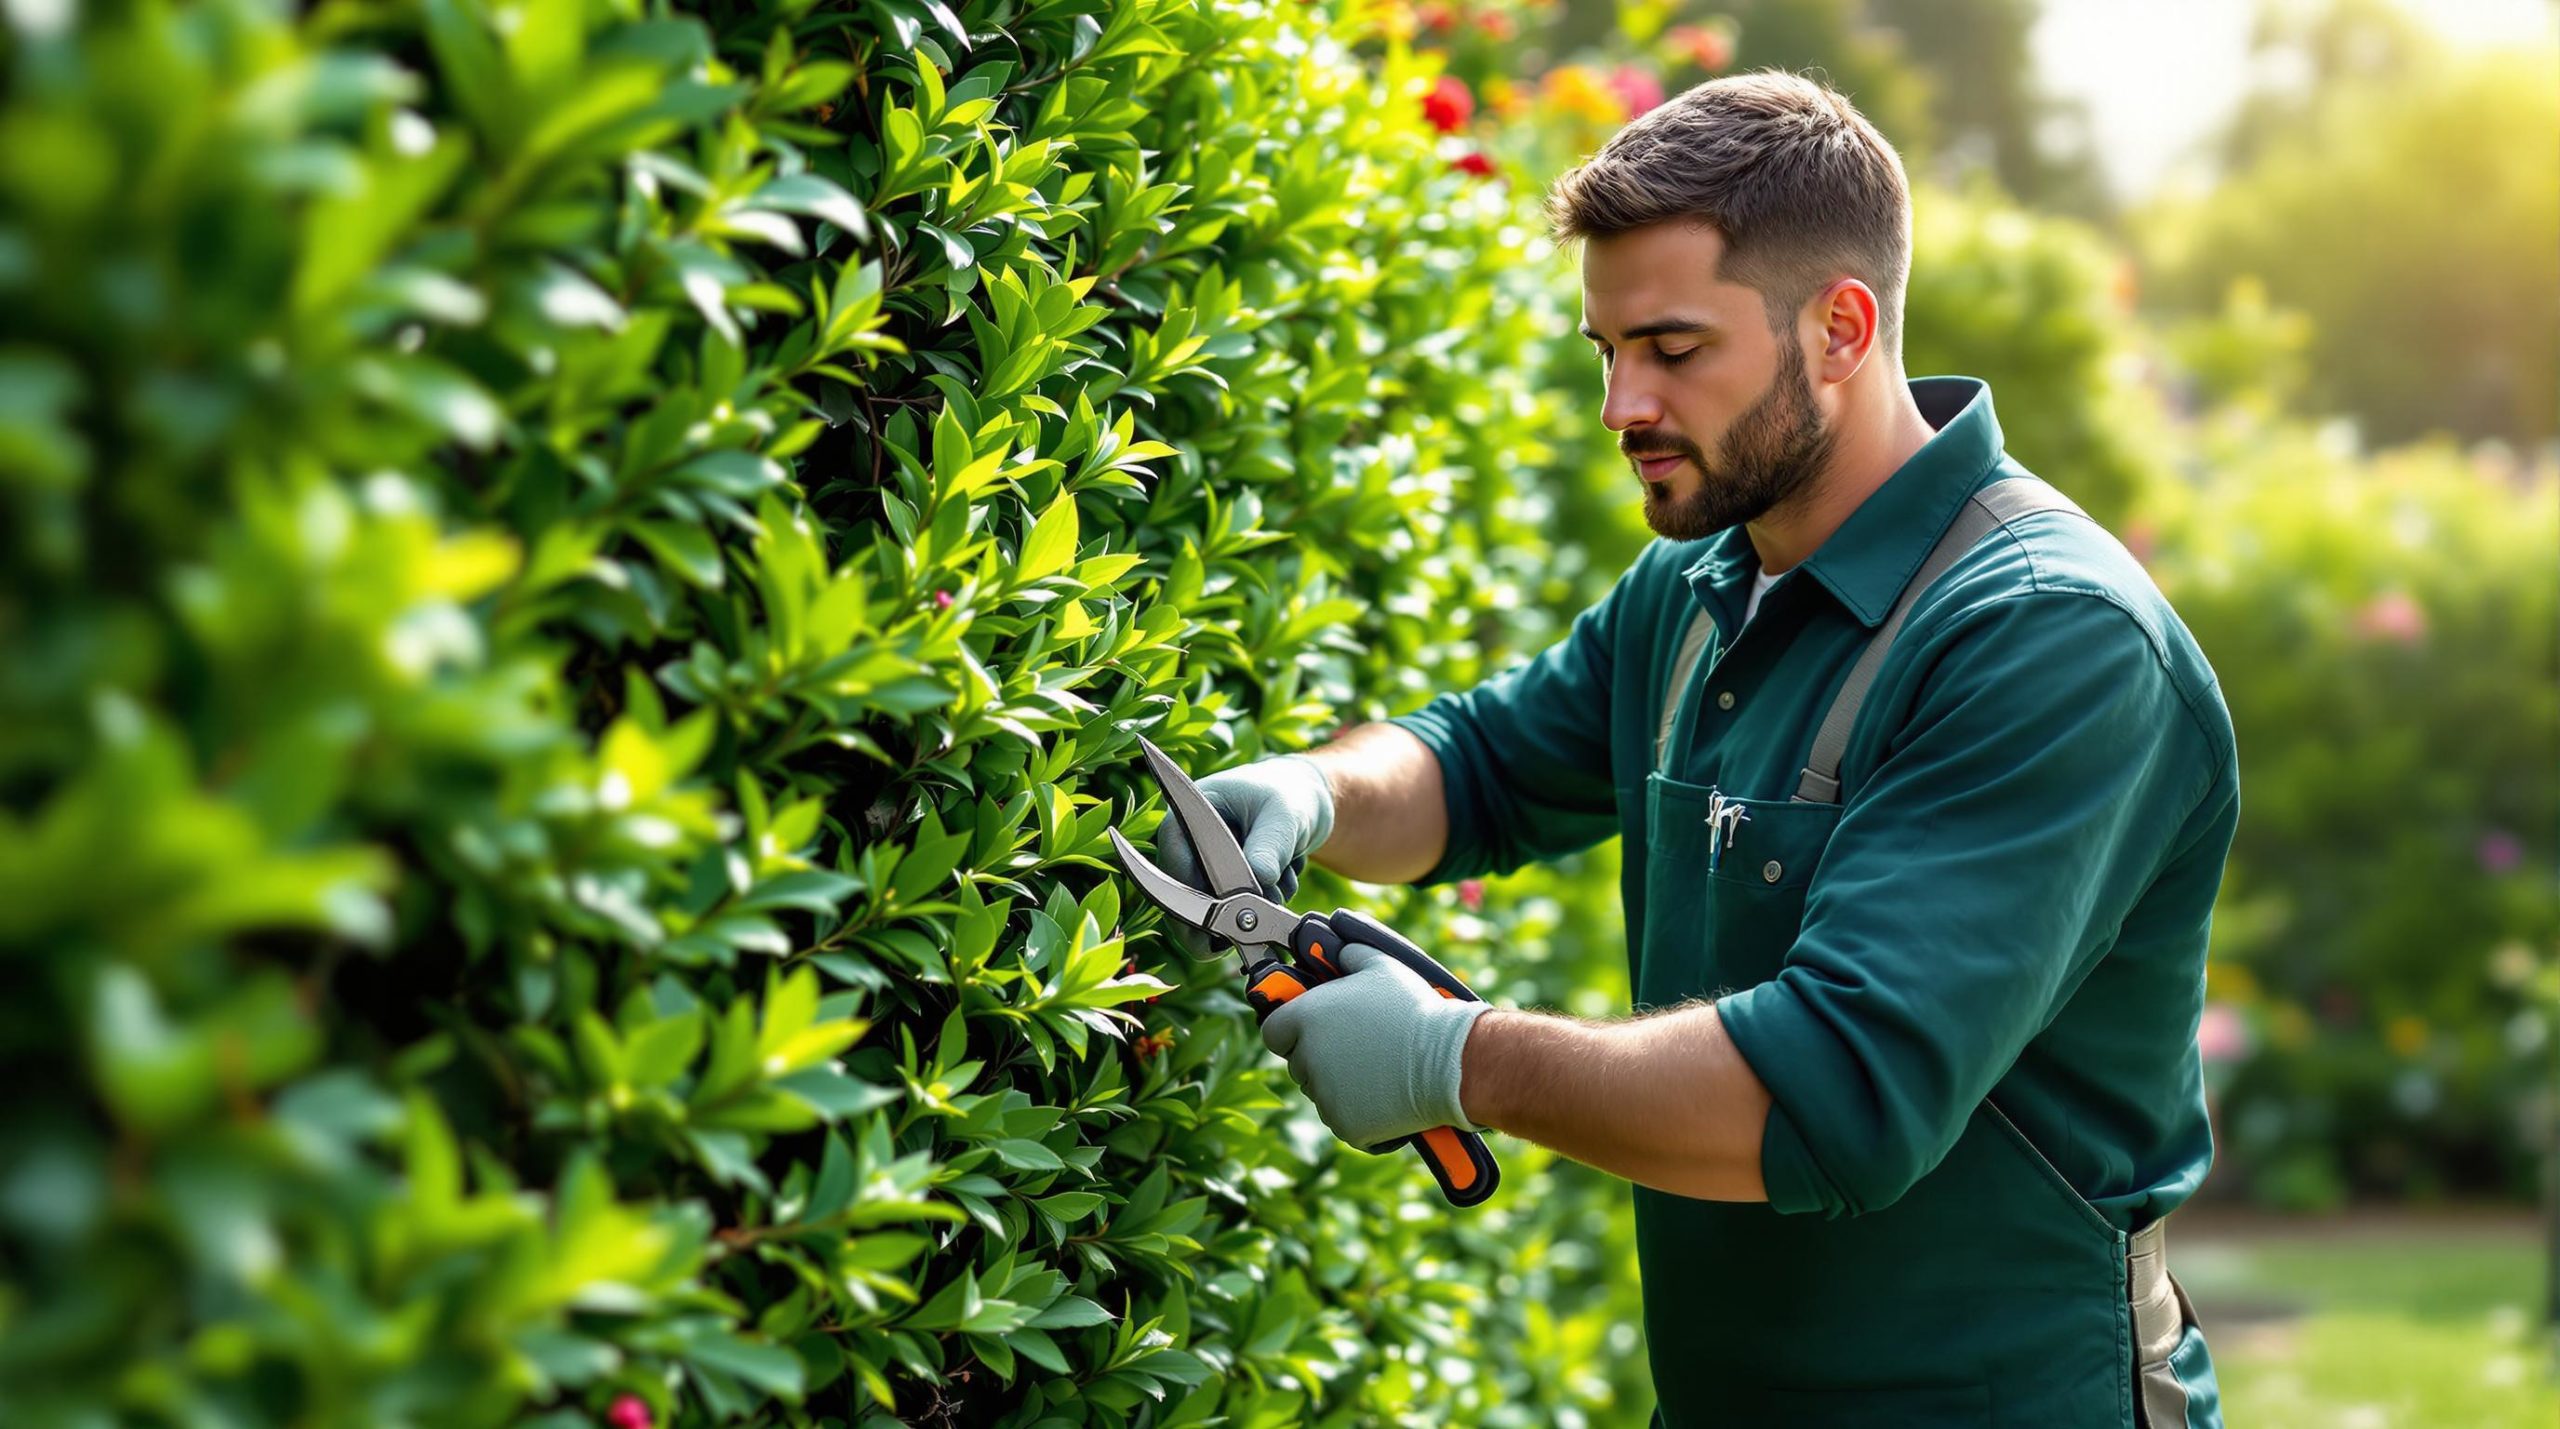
column 2011, row 902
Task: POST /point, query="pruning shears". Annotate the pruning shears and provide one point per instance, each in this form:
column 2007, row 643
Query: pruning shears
column 1285, row 952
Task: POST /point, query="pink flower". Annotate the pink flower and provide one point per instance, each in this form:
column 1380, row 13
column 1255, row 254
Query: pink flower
column 2392, row 616
column 1449, row 105
column 2499, row 851
column 942, row 600
column 1635, row 88
column 2141, row 538
column 1496, row 25
column 1471, row 892
column 630, row 1411
column 2222, row 1036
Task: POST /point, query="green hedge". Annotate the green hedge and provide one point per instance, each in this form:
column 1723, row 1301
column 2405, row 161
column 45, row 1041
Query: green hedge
column 581, row 582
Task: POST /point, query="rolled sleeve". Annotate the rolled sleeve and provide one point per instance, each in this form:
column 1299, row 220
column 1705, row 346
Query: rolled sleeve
column 1524, row 756
column 2042, row 780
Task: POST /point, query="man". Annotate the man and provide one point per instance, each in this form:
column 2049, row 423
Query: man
column 1914, row 1078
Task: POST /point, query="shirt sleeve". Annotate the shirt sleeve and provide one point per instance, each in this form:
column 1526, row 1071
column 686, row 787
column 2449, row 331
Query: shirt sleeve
column 1524, row 756
column 2044, row 777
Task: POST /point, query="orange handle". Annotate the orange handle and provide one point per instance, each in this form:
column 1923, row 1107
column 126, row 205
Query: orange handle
column 1459, row 1160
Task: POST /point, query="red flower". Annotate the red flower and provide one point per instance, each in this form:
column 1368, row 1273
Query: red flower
column 1449, row 105
column 1435, row 16
column 1635, row 88
column 1476, row 164
column 1707, row 49
column 942, row 600
column 1496, row 25
column 630, row 1411
column 1471, row 892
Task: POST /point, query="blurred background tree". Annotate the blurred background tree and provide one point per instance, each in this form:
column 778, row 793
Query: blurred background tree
column 2443, row 312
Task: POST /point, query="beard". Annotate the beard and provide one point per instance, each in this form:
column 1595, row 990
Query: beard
column 1770, row 454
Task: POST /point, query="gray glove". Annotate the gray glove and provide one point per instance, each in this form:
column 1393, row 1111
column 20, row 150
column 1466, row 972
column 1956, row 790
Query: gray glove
column 1281, row 810
column 1378, row 1050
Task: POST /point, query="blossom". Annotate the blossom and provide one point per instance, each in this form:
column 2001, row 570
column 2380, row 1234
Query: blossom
column 942, row 600
column 630, row 1411
column 1449, row 105
column 1579, row 90
column 2392, row 616
column 1436, row 16
column 2499, row 851
column 1471, row 892
column 2142, row 539
column 1636, row 88
column 2406, row 1035
column 1505, row 98
column 2222, row 1036
column 1473, row 162
column 1496, row 25
column 1707, row 48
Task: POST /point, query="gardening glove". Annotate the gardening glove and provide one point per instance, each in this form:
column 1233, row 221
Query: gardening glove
column 1281, row 810
column 1378, row 1050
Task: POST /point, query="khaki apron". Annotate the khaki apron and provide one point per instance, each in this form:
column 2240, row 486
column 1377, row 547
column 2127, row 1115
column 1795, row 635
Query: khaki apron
column 1991, row 1293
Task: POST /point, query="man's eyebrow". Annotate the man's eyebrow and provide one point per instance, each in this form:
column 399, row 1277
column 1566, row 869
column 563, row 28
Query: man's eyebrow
column 1656, row 328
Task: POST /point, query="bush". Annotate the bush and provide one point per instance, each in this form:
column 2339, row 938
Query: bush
column 2385, row 633
column 582, row 587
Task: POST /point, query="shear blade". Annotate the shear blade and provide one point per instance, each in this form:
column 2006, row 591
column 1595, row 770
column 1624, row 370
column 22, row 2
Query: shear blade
column 1172, row 894
column 1222, row 860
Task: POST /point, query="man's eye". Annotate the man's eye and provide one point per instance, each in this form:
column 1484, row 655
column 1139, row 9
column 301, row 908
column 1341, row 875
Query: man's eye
column 1674, row 359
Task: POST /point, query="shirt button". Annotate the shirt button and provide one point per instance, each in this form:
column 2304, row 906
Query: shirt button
column 1770, row 871
column 1724, row 699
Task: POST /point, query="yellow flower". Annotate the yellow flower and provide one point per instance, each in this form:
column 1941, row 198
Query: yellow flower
column 2230, row 982
column 2407, row 1035
column 1580, row 90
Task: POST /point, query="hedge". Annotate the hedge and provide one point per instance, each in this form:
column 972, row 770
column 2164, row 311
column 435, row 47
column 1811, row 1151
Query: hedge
column 582, row 580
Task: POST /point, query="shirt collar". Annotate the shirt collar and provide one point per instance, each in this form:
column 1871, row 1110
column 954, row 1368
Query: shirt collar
column 1867, row 561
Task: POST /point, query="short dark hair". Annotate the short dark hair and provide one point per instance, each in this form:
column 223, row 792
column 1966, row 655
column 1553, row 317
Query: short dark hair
column 1802, row 188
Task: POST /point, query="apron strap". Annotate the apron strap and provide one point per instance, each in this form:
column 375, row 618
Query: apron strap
column 1985, row 511
column 2161, row 1315
column 1701, row 626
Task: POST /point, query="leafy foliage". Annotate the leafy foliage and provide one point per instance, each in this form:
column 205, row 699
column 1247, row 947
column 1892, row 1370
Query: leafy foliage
column 2385, row 633
column 582, row 581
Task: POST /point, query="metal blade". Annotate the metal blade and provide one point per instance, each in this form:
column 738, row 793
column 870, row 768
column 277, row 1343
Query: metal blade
column 1221, row 859
column 1177, row 897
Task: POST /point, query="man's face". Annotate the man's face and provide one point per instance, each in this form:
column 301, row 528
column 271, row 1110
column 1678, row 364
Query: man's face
column 1716, row 381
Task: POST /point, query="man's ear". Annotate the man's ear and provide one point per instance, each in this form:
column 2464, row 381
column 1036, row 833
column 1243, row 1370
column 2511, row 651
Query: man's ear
column 1849, row 317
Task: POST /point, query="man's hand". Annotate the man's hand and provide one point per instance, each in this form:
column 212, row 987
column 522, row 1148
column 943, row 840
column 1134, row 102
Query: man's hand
column 1281, row 809
column 1378, row 1050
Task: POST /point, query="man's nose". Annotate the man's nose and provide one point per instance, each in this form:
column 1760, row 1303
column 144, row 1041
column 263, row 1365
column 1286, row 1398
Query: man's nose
column 1625, row 402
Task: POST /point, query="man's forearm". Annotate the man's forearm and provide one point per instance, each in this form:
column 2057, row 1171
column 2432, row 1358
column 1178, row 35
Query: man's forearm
column 1390, row 813
column 1666, row 1100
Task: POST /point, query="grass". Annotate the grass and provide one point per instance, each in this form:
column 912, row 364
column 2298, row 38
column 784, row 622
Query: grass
column 2374, row 1323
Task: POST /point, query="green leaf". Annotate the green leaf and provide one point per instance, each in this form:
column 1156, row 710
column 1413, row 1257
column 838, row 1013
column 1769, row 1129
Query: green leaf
column 1051, row 544
column 771, row 1368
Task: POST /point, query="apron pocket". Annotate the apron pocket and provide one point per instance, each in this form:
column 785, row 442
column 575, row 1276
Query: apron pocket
column 1938, row 1406
column 1725, row 883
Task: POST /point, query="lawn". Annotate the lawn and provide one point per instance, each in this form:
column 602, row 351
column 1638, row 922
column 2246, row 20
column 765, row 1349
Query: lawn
column 2374, row 1323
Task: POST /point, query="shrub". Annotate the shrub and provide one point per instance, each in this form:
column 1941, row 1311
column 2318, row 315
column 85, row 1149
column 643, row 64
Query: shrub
column 582, row 582
column 2384, row 629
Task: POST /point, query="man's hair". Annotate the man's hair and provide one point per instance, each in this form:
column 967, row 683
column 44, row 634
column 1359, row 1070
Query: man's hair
column 1802, row 188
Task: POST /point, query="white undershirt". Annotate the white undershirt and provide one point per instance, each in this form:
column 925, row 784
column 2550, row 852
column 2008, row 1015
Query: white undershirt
column 1759, row 587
